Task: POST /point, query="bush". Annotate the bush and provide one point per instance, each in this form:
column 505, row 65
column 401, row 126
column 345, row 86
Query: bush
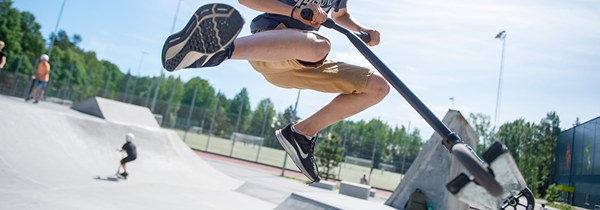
column 552, row 194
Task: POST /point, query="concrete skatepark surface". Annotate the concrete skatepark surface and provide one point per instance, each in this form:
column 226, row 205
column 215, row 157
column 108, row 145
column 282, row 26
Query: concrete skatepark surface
column 53, row 157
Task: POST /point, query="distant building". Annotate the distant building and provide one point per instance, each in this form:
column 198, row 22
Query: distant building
column 578, row 165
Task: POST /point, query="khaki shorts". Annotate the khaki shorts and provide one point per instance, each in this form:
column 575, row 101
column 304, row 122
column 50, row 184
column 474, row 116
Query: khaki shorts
column 324, row 76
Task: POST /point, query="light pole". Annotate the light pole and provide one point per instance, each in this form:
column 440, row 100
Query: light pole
column 501, row 36
column 56, row 28
column 452, row 99
column 205, row 110
column 144, row 52
column 161, row 69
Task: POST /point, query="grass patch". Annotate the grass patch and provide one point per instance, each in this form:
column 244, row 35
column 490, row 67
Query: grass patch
column 274, row 157
column 562, row 206
column 293, row 178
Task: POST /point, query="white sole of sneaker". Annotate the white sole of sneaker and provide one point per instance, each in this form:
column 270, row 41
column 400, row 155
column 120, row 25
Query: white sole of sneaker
column 185, row 47
column 291, row 151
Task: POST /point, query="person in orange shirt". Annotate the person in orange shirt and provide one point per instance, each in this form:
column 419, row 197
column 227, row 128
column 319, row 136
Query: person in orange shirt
column 42, row 75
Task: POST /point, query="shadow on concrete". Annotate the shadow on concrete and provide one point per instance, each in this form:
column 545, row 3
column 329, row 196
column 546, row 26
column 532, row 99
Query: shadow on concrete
column 107, row 178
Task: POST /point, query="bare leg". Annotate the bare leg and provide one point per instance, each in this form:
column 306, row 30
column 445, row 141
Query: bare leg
column 41, row 94
column 280, row 45
column 124, row 167
column 32, row 94
column 345, row 105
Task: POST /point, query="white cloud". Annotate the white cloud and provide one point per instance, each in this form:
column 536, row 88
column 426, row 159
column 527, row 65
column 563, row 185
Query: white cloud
column 353, row 58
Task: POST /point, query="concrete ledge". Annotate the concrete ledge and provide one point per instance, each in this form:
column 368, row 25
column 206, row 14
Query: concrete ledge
column 59, row 101
column 372, row 192
column 355, row 190
column 325, row 185
column 328, row 201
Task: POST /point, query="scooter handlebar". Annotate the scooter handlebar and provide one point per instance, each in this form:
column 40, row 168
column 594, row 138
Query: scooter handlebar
column 307, row 14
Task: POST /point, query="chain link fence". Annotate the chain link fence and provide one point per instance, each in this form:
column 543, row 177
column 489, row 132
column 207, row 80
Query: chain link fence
column 210, row 129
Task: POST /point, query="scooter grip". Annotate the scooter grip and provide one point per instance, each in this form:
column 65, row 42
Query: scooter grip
column 307, row 14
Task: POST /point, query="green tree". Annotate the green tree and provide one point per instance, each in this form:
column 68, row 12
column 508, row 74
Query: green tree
column 240, row 102
column 19, row 31
column 264, row 110
column 329, row 154
column 483, row 127
column 549, row 128
column 205, row 101
column 533, row 148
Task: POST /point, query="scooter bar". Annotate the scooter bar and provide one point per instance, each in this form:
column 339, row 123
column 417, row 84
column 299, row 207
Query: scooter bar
column 463, row 152
column 307, row 14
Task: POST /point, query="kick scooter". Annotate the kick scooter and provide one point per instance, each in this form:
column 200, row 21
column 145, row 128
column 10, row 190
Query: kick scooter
column 480, row 172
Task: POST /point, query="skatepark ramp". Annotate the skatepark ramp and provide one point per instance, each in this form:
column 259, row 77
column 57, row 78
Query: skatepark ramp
column 434, row 167
column 54, row 157
column 115, row 111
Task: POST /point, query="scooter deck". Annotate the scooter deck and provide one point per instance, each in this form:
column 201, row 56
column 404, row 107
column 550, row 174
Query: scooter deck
column 515, row 194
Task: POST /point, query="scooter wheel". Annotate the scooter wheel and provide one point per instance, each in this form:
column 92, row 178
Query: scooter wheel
column 517, row 202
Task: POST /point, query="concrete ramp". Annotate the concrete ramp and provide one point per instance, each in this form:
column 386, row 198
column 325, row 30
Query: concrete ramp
column 327, row 201
column 52, row 157
column 116, row 111
column 435, row 167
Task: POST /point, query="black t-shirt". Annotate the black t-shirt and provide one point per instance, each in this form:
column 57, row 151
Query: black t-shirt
column 271, row 21
column 2, row 54
column 130, row 148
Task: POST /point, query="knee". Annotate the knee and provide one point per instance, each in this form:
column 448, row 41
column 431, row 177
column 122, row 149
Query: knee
column 320, row 48
column 377, row 85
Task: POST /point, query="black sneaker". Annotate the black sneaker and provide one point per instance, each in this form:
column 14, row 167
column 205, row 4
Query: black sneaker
column 300, row 150
column 206, row 40
column 36, row 101
column 124, row 175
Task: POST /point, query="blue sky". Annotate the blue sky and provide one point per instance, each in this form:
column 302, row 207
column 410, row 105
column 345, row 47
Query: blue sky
column 439, row 48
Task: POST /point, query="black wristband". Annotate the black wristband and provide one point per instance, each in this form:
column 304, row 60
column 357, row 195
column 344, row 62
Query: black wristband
column 292, row 14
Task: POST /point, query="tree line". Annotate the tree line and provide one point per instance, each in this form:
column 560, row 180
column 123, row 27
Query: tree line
column 531, row 144
column 24, row 42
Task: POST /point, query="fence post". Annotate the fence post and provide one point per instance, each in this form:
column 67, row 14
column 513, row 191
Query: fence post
column 262, row 131
column 187, row 125
column 169, row 105
column 344, row 146
column 134, row 87
column 156, row 91
column 374, row 148
column 405, row 149
column 68, row 81
column 16, row 79
column 50, row 81
column 26, row 91
column 149, row 89
column 127, row 88
column 88, row 83
column 107, row 82
column 204, row 115
column 212, row 121
column 237, row 124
